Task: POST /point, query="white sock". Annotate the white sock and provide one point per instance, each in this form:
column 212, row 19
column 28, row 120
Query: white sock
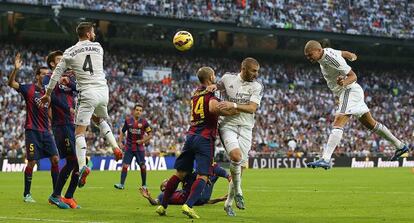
column 107, row 133
column 333, row 141
column 235, row 170
column 384, row 132
column 230, row 195
column 81, row 150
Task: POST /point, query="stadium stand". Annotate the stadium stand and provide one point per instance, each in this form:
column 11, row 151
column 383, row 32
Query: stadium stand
column 287, row 124
column 365, row 17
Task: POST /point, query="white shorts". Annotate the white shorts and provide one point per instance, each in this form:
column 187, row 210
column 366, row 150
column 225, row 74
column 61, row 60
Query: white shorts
column 91, row 101
column 233, row 137
column 351, row 101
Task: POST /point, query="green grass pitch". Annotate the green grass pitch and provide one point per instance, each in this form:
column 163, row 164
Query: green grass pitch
column 284, row 195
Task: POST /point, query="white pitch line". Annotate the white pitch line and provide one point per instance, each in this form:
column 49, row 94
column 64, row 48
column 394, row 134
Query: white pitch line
column 44, row 219
column 330, row 191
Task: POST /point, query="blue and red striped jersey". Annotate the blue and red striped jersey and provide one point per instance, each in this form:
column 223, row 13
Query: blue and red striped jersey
column 136, row 129
column 203, row 122
column 63, row 102
column 36, row 117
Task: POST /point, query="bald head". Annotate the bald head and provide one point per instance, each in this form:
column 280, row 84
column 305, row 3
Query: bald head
column 312, row 45
column 313, row 50
column 206, row 75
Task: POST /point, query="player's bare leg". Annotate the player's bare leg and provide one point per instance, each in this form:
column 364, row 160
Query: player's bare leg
column 235, row 191
column 333, row 141
column 81, row 154
column 106, row 131
column 368, row 121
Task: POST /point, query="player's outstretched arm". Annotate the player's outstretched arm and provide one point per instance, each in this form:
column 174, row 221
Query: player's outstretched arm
column 213, row 107
column 349, row 56
column 12, row 77
column 216, row 200
column 146, row 194
column 249, row 108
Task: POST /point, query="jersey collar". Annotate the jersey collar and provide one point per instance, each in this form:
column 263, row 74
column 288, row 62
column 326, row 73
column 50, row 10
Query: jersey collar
column 323, row 56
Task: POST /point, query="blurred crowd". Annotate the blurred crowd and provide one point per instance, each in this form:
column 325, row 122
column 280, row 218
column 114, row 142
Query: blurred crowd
column 364, row 17
column 293, row 120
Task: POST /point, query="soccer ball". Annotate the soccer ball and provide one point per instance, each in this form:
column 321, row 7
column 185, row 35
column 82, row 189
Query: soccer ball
column 183, row 40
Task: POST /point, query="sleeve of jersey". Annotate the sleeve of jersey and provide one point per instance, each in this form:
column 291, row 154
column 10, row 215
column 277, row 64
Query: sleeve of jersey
column 220, row 83
column 125, row 127
column 23, row 89
column 338, row 62
column 257, row 94
column 57, row 73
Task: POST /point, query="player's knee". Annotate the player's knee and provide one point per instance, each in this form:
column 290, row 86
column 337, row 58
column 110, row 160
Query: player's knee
column 31, row 163
column 125, row 167
column 235, row 155
column 54, row 160
column 80, row 130
column 96, row 119
column 142, row 166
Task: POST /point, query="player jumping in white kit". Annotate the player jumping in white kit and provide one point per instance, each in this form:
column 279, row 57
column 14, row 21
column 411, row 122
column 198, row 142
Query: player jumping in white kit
column 85, row 58
column 342, row 82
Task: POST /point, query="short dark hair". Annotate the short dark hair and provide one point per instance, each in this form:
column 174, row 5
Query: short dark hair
column 204, row 74
column 83, row 28
column 250, row 61
column 138, row 105
column 51, row 57
column 37, row 72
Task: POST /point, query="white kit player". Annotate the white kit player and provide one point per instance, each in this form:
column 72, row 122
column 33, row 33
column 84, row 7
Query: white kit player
column 85, row 58
column 243, row 92
column 341, row 81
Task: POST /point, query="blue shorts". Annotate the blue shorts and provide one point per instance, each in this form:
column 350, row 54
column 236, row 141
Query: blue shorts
column 39, row 145
column 201, row 150
column 139, row 157
column 65, row 140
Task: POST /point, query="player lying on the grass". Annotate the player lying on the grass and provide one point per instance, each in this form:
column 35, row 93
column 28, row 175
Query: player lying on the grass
column 341, row 79
column 180, row 196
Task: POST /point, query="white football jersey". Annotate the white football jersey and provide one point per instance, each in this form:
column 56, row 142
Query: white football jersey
column 85, row 58
column 235, row 89
column 332, row 66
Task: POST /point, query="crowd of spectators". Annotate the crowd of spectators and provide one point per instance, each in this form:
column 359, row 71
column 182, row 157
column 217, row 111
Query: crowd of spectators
column 363, row 17
column 294, row 118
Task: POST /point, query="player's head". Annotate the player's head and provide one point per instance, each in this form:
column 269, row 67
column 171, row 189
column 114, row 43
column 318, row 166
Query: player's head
column 53, row 59
column 86, row 31
column 250, row 69
column 206, row 76
column 137, row 110
column 313, row 51
column 40, row 74
column 163, row 185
